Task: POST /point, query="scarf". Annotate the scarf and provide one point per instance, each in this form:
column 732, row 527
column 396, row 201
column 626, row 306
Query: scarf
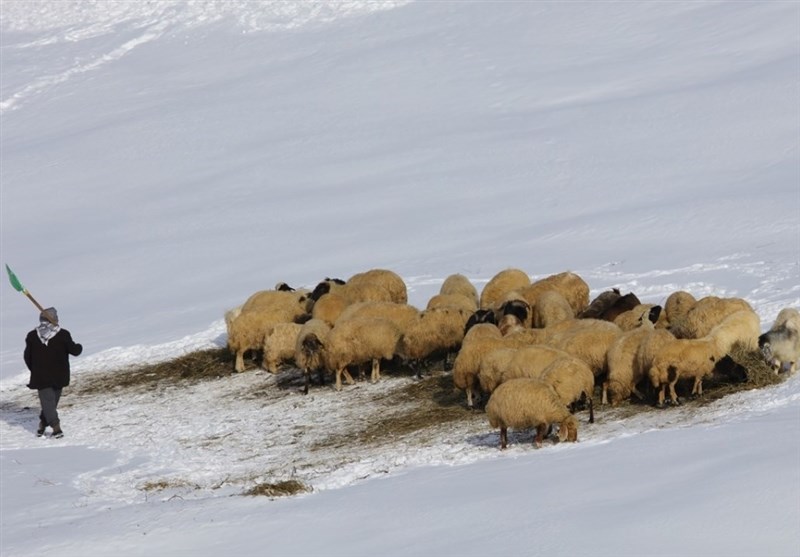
column 46, row 331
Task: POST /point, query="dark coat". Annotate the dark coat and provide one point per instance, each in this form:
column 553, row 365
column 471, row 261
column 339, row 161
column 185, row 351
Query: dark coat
column 49, row 364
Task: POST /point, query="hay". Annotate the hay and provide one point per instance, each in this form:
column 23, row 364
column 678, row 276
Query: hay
column 278, row 489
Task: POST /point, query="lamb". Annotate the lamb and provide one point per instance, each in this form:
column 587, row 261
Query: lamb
column 507, row 280
column 589, row 340
column 705, row 315
column 781, row 344
column 279, row 345
column 530, row 403
column 573, row 381
column 432, row 332
column 461, row 285
column 568, row 284
column 357, row 341
column 551, row 308
column 309, row 349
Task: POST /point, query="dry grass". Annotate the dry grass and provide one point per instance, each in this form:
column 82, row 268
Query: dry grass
column 279, row 489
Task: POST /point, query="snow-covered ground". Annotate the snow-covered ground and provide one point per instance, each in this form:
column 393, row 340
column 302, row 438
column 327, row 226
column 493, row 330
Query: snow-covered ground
column 163, row 160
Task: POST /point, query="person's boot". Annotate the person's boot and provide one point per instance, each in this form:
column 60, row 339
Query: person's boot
column 57, row 433
column 42, row 427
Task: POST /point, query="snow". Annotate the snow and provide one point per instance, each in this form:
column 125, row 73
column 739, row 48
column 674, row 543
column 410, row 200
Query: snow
column 163, row 160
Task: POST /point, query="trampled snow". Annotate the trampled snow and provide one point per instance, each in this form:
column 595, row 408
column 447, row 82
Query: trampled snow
column 161, row 161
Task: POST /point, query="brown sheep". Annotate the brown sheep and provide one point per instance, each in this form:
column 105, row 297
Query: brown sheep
column 707, row 313
column 459, row 284
column 507, row 280
column 568, row 284
column 358, row 341
column 573, row 381
column 526, row 404
column 309, row 349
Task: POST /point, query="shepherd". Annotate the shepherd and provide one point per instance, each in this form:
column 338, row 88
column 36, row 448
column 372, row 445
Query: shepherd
column 47, row 351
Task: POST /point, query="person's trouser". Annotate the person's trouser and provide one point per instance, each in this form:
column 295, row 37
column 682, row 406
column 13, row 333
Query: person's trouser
column 48, row 398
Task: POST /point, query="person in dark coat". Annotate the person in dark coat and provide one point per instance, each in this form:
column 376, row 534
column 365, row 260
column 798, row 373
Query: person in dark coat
column 47, row 351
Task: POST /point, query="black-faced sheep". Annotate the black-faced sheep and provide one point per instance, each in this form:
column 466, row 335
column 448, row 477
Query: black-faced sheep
column 573, row 381
column 507, row 280
column 781, row 344
column 600, row 304
column 359, row 341
column 527, row 404
column 309, row 349
column 279, row 345
column 480, row 316
column 633, row 318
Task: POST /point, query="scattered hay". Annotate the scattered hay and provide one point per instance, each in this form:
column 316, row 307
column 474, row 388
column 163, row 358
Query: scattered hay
column 200, row 365
column 279, row 489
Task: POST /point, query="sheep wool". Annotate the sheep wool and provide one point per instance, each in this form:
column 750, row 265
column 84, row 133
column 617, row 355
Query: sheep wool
column 573, row 381
column 309, row 349
column 507, row 280
column 551, row 308
column 528, row 404
column 359, row 341
column 279, row 345
column 571, row 286
column 461, row 285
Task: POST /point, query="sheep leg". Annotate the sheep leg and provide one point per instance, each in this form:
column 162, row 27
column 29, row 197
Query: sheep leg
column 348, row 377
column 661, row 395
column 469, row 397
column 591, row 411
column 637, row 392
column 541, row 431
column 307, row 374
column 376, row 370
column 503, row 437
column 672, row 394
column 239, row 361
column 604, row 399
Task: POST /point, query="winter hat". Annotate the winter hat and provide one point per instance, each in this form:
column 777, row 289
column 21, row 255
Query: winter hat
column 50, row 315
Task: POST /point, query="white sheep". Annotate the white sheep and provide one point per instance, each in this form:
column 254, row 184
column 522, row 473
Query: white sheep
column 359, row 341
column 530, row 403
column 309, row 350
column 742, row 327
column 781, row 344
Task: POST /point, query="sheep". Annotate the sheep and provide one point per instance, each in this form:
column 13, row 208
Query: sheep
column 633, row 318
column 600, row 304
column 705, row 315
column 232, row 314
column 357, row 341
column 551, row 308
column 329, row 307
column 480, row 316
column 279, row 345
column 742, row 327
column 510, row 323
column 781, row 344
column 248, row 330
column 589, row 340
column 309, row 349
column 568, row 284
column 517, row 361
column 273, row 299
column 478, row 341
column 530, row 403
column 500, row 284
column 401, row 314
column 689, row 359
column 458, row 301
column 678, row 305
column 573, row 381
column 431, row 332
column 625, row 370
column 514, row 304
column 387, row 280
column 459, row 284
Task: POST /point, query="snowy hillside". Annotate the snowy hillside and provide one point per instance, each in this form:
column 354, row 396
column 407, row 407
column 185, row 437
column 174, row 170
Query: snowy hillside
column 163, row 160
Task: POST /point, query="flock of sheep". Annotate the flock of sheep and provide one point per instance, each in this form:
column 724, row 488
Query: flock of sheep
column 533, row 351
